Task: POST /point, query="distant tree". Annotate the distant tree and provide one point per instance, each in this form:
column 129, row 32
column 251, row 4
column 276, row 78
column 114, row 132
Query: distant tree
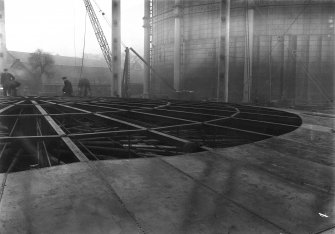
column 41, row 63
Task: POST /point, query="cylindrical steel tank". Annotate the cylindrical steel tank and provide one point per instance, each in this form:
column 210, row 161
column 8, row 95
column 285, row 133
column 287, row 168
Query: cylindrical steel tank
column 280, row 50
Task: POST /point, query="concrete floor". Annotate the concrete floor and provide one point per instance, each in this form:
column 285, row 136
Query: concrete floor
column 280, row 185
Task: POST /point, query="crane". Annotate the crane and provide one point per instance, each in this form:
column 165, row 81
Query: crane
column 106, row 50
column 99, row 34
column 108, row 54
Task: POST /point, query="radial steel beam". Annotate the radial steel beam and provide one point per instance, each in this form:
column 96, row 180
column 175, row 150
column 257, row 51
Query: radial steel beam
column 185, row 144
column 61, row 114
column 162, row 116
column 9, row 106
column 100, row 115
column 10, row 135
column 30, row 138
column 104, row 134
column 72, row 146
column 106, row 107
column 12, row 130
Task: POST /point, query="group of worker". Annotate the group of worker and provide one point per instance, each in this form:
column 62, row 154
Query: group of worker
column 9, row 84
column 84, row 87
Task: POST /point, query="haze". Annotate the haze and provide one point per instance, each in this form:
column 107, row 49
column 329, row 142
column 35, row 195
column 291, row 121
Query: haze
column 57, row 26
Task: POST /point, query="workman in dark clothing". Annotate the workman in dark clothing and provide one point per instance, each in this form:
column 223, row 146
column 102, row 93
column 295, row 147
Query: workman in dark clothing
column 84, row 87
column 67, row 89
column 13, row 84
column 6, row 77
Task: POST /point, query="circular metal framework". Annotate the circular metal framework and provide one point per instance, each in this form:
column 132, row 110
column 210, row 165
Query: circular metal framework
column 42, row 132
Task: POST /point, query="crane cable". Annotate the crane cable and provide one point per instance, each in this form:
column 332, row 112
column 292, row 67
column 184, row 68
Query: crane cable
column 83, row 55
column 74, row 35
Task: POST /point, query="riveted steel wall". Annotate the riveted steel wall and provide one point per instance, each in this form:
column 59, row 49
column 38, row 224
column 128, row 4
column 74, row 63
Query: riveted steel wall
column 292, row 49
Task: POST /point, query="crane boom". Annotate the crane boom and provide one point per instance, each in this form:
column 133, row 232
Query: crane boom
column 99, row 33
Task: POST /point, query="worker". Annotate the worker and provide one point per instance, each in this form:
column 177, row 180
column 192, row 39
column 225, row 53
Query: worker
column 84, row 87
column 5, row 81
column 67, row 89
column 13, row 85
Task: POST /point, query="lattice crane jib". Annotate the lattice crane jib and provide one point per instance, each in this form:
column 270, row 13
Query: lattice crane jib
column 99, row 33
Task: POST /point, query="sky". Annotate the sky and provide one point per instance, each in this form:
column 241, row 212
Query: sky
column 58, row 26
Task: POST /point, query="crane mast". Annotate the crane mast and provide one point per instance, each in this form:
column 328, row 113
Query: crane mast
column 99, row 34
